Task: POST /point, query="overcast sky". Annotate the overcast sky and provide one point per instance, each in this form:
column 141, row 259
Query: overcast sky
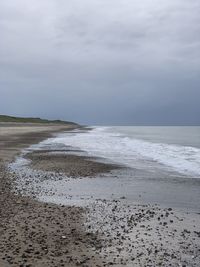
column 101, row 61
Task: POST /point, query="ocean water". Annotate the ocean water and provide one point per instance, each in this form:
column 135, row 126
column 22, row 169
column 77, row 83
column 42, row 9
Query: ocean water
column 172, row 149
column 162, row 166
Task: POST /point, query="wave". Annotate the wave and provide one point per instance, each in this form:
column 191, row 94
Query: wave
column 118, row 147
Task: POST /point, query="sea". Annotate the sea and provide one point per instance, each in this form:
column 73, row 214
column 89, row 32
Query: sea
column 165, row 148
column 160, row 165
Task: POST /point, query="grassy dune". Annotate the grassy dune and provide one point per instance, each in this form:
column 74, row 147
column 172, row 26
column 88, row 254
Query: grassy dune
column 5, row 118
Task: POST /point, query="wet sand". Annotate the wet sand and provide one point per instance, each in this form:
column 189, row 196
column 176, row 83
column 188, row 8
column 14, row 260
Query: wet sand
column 104, row 233
column 70, row 165
column 34, row 233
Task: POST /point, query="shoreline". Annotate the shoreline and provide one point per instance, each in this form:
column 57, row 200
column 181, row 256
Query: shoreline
column 105, row 233
column 33, row 233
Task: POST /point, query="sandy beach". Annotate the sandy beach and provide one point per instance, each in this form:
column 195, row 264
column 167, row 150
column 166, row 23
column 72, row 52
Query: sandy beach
column 104, row 233
column 32, row 233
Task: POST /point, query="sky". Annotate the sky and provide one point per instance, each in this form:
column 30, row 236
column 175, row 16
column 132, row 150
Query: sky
column 101, row 62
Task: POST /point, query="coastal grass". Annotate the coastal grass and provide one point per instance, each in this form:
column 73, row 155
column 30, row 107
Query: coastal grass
column 6, row 118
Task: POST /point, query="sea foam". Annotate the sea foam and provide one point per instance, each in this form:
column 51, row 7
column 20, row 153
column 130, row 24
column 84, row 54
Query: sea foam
column 101, row 142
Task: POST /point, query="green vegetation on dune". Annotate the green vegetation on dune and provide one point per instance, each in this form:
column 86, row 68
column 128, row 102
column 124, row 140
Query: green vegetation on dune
column 5, row 118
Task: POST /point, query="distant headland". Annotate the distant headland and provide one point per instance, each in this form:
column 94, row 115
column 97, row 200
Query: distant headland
column 6, row 118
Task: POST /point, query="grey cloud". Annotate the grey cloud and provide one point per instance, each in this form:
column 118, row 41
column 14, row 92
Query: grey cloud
column 117, row 62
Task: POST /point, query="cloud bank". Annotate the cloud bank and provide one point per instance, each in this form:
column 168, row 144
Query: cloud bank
column 101, row 62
